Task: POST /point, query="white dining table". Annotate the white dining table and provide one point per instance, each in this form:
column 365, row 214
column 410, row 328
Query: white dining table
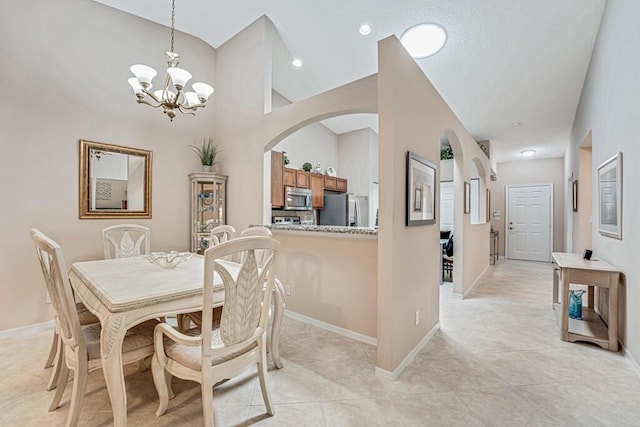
column 127, row 291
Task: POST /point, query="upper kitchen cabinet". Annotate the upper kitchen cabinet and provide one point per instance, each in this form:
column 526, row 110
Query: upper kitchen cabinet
column 341, row 185
column 277, row 183
column 317, row 189
column 289, row 177
column 302, row 179
column 335, row 184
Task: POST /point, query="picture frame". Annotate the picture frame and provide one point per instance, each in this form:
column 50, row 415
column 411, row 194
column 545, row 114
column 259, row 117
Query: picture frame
column 488, row 205
column 610, row 197
column 574, row 195
column 420, row 194
column 467, row 197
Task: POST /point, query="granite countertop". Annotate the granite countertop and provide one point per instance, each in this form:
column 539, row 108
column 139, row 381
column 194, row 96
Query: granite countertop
column 367, row 231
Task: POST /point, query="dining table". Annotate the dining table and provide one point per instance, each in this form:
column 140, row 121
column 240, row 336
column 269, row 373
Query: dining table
column 124, row 292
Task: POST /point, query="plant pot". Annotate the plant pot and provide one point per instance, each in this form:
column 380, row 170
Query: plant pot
column 206, row 168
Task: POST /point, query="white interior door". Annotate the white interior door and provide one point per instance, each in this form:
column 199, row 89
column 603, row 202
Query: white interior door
column 446, row 205
column 529, row 222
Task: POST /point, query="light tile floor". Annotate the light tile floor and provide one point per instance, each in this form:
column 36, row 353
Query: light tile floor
column 496, row 361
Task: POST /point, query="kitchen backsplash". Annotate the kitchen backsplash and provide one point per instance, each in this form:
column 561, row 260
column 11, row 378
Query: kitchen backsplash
column 306, row 217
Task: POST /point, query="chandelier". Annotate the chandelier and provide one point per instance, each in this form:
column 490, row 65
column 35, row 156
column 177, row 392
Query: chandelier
column 172, row 97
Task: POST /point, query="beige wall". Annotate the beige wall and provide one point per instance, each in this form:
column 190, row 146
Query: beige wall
column 543, row 171
column 64, row 67
column 413, row 117
column 583, row 218
column 609, row 108
column 332, row 278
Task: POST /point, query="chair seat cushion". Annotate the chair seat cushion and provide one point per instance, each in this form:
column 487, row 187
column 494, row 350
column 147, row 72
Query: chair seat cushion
column 85, row 316
column 138, row 337
column 191, row 357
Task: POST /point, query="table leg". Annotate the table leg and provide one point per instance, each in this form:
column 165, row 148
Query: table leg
column 556, row 272
column 613, row 311
column 564, row 319
column 278, row 313
column 111, row 339
column 590, row 296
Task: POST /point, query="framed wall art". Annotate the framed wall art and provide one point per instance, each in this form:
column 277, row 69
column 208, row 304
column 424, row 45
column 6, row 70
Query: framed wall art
column 610, row 197
column 467, row 197
column 421, row 186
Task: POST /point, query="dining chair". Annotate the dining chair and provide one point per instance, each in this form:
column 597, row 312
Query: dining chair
column 126, row 240
column 209, row 355
column 219, row 234
column 256, row 231
column 447, row 258
column 80, row 346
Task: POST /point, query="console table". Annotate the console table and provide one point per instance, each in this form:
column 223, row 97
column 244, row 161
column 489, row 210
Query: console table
column 494, row 251
column 572, row 268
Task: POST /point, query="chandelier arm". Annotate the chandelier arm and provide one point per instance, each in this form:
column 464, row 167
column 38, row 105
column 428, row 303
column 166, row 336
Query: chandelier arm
column 142, row 101
column 152, row 96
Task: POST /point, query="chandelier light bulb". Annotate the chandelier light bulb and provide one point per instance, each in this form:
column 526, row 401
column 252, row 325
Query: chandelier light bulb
column 203, row 91
column 143, row 73
column 179, row 77
column 136, row 86
column 192, row 98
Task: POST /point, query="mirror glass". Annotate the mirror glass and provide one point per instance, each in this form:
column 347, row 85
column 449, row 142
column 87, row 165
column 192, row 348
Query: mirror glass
column 115, row 181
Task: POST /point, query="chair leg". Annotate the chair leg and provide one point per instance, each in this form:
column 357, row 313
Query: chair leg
column 262, row 375
column 160, row 382
column 52, row 351
column 169, row 377
column 77, row 394
column 63, row 378
column 207, row 402
column 53, row 380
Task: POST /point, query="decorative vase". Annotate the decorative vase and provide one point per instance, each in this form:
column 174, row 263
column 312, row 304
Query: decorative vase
column 575, row 304
column 206, row 168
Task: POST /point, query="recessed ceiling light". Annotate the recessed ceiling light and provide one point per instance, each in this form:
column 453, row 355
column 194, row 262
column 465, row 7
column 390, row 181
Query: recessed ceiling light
column 365, row 29
column 296, row 63
column 424, row 40
column 516, row 124
column 528, row 153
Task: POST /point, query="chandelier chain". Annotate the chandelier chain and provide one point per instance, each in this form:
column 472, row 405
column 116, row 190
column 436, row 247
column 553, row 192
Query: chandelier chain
column 173, row 21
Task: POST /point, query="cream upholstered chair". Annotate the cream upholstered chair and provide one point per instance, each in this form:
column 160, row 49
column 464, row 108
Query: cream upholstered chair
column 210, row 355
column 219, row 234
column 80, row 346
column 126, row 240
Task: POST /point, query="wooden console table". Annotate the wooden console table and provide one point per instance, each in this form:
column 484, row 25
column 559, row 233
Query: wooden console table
column 572, row 268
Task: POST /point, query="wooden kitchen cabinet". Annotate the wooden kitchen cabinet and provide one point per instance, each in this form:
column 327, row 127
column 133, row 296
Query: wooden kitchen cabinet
column 330, row 183
column 341, row 185
column 289, row 177
column 302, row 179
column 317, row 189
column 277, row 190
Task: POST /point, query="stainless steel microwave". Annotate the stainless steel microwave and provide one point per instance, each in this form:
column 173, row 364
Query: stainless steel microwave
column 297, row 199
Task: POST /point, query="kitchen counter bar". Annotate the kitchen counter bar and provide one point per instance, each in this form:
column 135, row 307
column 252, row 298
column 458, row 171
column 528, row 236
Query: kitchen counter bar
column 362, row 231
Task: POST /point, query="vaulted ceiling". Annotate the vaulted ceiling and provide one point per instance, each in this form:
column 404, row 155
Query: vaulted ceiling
column 512, row 70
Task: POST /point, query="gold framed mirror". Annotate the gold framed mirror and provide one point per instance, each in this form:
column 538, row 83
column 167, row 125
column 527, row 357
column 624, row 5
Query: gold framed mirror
column 115, row 181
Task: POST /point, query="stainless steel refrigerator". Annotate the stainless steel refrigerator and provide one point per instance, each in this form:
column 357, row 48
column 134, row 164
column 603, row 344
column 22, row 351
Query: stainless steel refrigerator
column 346, row 209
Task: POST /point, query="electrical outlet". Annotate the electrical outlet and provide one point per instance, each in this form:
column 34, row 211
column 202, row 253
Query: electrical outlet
column 287, row 290
column 417, row 317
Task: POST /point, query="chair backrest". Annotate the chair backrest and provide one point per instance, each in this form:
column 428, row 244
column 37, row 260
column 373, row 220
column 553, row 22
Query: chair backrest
column 261, row 256
column 247, row 295
column 126, row 240
column 221, row 234
column 59, row 288
column 448, row 248
column 256, row 231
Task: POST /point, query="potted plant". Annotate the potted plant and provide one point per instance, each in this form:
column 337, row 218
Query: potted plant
column 307, row 167
column 208, row 152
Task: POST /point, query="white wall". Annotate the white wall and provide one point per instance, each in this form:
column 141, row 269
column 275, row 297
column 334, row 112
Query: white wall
column 446, row 170
column 314, row 143
column 64, row 69
column 610, row 107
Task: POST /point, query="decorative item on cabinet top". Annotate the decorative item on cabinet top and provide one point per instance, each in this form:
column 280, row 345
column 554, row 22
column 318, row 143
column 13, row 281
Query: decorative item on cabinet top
column 331, row 171
column 208, row 153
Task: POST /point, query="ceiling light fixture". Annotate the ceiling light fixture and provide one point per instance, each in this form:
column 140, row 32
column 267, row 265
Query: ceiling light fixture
column 170, row 98
column 424, row 40
column 516, row 124
column 365, row 29
column 528, row 153
column 296, row 63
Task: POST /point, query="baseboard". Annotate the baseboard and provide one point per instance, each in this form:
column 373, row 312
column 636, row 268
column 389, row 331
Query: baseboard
column 631, row 360
column 475, row 283
column 45, row 323
column 393, row 375
column 333, row 328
